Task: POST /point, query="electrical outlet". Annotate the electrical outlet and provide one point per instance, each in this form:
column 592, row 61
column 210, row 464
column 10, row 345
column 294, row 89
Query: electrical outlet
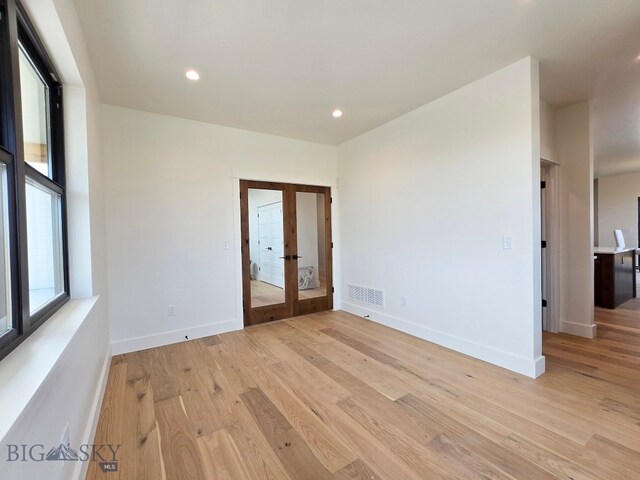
column 405, row 302
column 171, row 310
column 507, row 243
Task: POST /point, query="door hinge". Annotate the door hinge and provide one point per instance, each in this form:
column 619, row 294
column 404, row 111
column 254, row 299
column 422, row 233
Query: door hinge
column 544, row 244
column 543, row 184
column 544, row 303
column 330, row 199
column 333, row 290
column 331, row 244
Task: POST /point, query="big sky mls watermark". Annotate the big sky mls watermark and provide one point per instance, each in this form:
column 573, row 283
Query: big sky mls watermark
column 105, row 455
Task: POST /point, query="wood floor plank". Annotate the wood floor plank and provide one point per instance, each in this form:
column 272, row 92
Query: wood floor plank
column 376, row 375
column 549, row 460
column 198, row 387
column 111, row 429
column 370, row 448
column 298, row 367
column 237, row 374
column 474, row 442
column 220, row 457
column 258, row 459
column 330, row 451
column 466, row 463
column 356, row 470
column 619, row 455
column 141, row 455
column 164, row 381
column 410, row 452
column 180, row 453
column 292, row 451
column 386, row 408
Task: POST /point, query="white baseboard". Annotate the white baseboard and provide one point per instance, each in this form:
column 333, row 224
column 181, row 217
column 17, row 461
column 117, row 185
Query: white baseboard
column 525, row 366
column 578, row 329
column 94, row 416
column 174, row 336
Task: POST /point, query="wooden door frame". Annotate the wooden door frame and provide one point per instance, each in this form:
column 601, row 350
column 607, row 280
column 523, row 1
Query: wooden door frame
column 292, row 306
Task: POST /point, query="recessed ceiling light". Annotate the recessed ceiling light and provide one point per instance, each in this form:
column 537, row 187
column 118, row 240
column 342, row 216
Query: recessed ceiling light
column 192, row 75
column 337, row 113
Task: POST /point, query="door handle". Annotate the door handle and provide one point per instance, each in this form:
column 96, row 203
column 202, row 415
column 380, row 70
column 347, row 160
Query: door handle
column 269, row 248
column 291, row 257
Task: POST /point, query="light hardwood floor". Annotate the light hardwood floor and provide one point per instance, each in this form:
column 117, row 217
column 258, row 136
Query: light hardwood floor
column 263, row 293
column 333, row 396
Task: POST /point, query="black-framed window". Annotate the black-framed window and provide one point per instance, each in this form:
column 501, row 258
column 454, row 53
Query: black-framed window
column 34, row 273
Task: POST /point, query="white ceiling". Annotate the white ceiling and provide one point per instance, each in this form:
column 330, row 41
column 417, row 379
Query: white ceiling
column 282, row 66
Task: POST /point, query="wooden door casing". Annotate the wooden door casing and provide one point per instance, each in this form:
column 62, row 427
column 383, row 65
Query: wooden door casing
column 292, row 305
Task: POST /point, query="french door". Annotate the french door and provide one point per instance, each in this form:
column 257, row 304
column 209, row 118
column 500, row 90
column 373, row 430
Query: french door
column 286, row 250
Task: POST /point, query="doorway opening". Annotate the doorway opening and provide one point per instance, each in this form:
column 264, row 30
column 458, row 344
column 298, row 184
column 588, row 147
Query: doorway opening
column 549, row 228
column 286, row 250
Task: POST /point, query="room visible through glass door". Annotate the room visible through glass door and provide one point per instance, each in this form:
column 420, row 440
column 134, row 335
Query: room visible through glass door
column 266, row 247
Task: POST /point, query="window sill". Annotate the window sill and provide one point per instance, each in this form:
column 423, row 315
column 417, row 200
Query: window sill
column 25, row 369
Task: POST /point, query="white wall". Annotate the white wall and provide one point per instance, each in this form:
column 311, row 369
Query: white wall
column 425, row 202
column 618, row 208
column 171, row 207
column 69, row 390
column 575, row 155
column 72, row 346
column 548, row 141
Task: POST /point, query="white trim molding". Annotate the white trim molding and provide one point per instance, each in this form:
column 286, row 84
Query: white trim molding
column 284, row 177
column 579, row 329
column 135, row 344
column 92, row 421
column 530, row 367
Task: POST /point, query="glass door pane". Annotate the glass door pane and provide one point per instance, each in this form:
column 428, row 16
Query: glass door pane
column 266, row 247
column 312, row 254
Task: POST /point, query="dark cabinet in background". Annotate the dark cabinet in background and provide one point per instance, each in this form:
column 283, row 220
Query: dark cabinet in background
column 614, row 276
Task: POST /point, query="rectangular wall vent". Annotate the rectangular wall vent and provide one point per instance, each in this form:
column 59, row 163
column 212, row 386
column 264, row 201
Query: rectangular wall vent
column 367, row 295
